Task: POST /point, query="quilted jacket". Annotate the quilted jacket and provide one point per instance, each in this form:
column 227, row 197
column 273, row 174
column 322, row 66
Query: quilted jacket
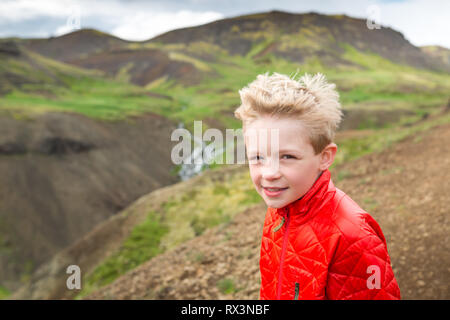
column 324, row 246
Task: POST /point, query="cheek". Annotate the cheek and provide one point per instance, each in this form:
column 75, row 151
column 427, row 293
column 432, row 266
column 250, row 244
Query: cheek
column 293, row 176
column 300, row 174
column 255, row 175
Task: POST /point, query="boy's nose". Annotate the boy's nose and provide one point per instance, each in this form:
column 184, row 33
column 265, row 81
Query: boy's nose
column 270, row 171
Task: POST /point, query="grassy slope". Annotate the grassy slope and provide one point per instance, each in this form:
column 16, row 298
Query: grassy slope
column 185, row 215
column 57, row 86
column 379, row 83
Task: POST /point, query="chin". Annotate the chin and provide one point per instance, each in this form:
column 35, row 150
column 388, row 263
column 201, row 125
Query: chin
column 274, row 204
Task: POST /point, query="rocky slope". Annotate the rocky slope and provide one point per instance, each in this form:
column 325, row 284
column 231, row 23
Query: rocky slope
column 62, row 174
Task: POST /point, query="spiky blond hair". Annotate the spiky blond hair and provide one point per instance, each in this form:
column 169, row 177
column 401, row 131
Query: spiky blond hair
column 310, row 99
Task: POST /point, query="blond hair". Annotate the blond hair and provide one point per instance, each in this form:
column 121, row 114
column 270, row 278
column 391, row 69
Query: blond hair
column 310, row 99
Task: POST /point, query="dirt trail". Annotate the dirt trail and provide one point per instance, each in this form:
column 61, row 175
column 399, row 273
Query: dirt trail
column 405, row 188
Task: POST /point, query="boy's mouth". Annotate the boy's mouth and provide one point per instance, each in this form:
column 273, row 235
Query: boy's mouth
column 273, row 192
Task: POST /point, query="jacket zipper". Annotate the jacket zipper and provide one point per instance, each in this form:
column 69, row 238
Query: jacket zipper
column 297, row 290
column 283, row 250
column 280, row 225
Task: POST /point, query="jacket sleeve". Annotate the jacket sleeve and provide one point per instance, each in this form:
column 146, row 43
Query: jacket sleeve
column 361, row 268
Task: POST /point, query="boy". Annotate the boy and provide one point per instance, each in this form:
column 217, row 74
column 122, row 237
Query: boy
column 317, row 243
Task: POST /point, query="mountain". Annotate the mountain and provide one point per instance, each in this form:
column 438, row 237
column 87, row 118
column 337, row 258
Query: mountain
column 176, row 55
column 300, row 36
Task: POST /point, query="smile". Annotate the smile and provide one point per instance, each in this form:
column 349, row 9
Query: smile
column 273, row 192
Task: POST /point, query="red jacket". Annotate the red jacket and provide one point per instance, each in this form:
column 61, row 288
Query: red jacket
column 324, row 246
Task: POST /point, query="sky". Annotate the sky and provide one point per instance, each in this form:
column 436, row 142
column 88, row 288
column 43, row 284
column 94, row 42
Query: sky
column 422, row 22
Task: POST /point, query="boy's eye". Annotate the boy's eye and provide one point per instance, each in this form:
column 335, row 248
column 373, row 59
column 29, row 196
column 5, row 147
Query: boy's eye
column 288, row 156
column 256, row 158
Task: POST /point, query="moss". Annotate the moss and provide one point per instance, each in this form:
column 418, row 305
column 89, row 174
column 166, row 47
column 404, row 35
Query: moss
column 26, row 272
column 343, row 174
column 235, row 29
column 252, row 197
column 123, row 74
column 4, row 293
column 195, row 62
column 370, row 204
column 219, row 189
column 226, row 286
column 142, row 244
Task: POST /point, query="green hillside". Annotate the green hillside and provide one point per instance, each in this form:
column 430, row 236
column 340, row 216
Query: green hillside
column 31, row 83
column 371, row 82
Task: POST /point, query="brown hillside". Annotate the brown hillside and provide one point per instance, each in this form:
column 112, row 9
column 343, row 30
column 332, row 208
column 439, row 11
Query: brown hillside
column 140, row 66
column 406, row 191
column 62, row 174
column 74, row 45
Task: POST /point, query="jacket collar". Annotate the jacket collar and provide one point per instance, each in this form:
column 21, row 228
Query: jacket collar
column 310, row 198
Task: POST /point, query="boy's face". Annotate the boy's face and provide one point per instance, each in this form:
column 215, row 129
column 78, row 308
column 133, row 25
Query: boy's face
column 284, row 173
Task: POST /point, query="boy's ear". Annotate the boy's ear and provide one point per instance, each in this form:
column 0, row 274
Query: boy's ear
column 327, row 156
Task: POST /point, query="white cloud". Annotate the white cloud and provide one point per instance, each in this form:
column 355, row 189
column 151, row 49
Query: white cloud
column 422, row 22
column 145, row 25
column 13, row 11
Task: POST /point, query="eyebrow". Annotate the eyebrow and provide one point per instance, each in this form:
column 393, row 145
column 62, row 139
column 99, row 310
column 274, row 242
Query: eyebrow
column 290, row 151
column 282, row 151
